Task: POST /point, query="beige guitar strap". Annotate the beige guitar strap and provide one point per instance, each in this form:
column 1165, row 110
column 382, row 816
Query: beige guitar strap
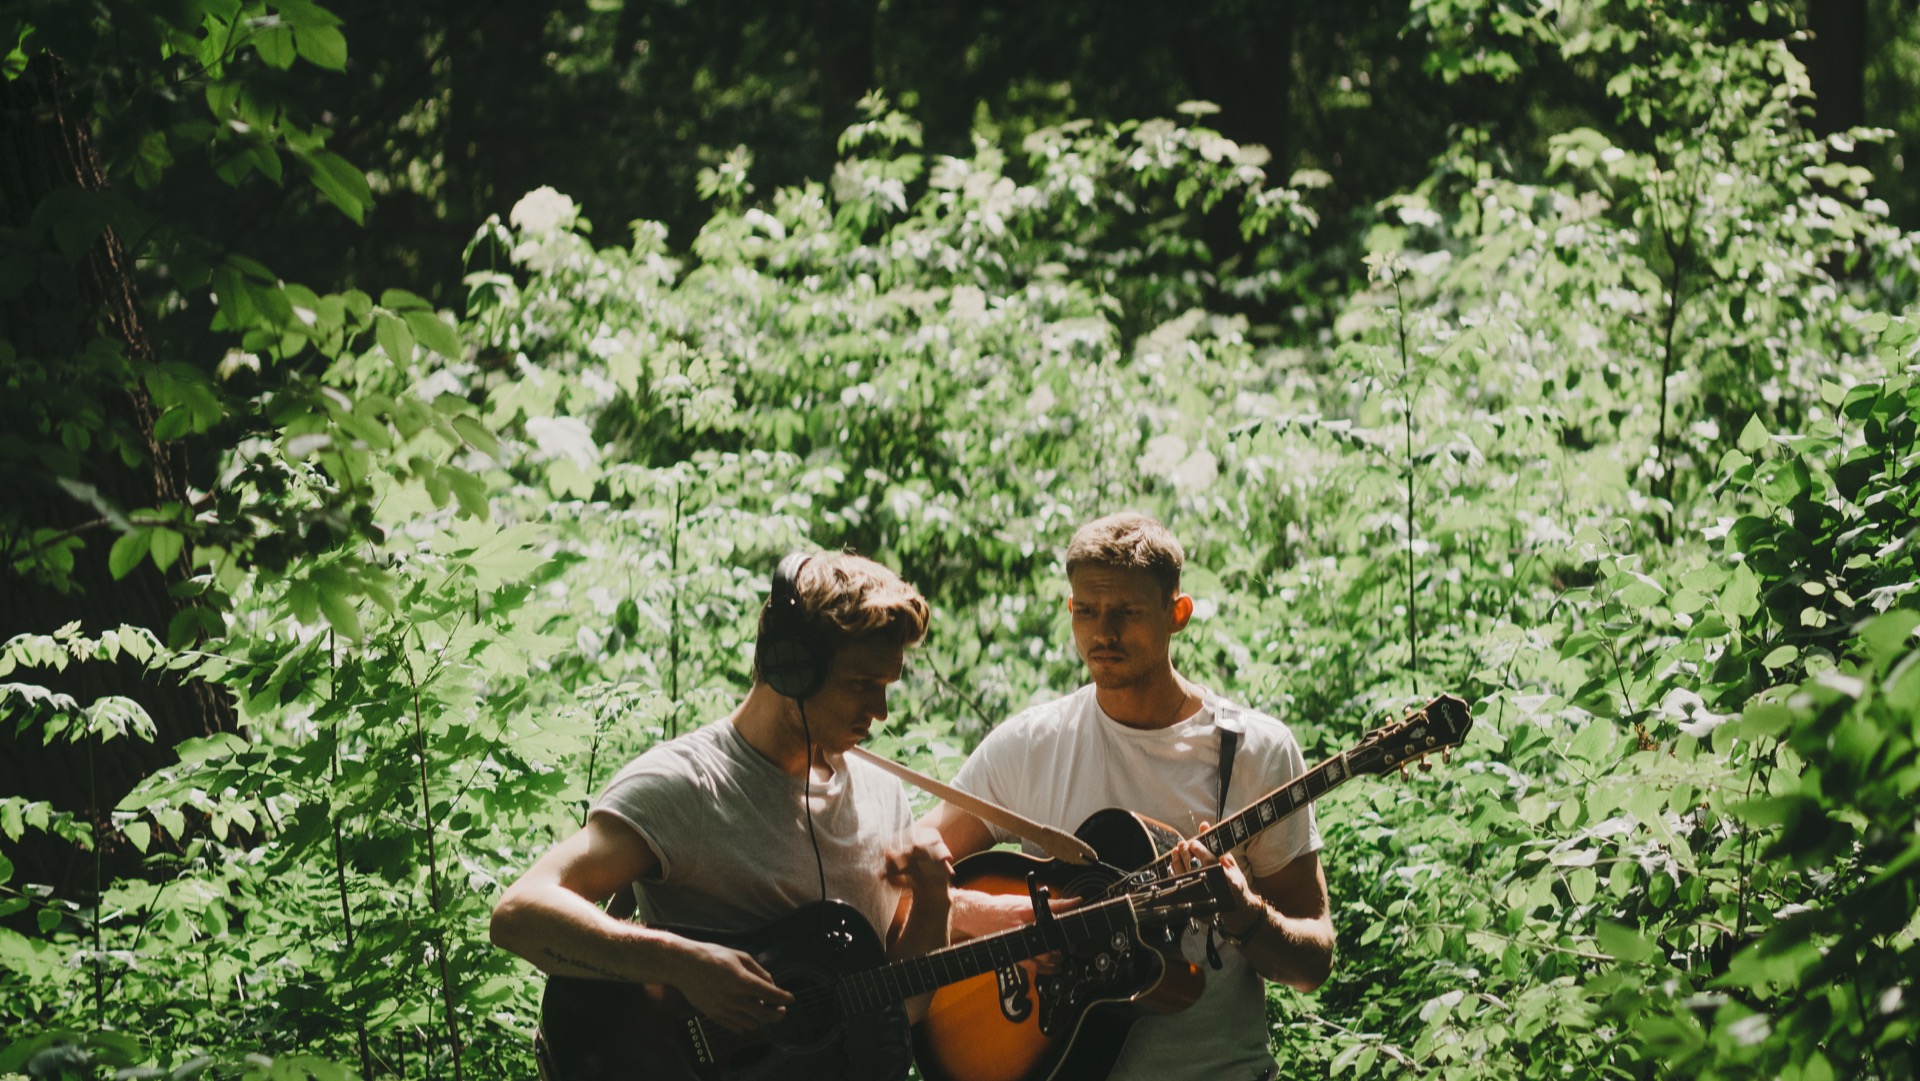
column 1056, row 843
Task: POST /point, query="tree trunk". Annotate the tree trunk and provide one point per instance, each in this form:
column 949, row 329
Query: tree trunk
column 49, row 324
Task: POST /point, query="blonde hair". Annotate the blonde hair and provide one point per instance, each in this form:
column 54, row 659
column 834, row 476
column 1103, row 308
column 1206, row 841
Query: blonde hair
column 846, row 598
column 1128, row 540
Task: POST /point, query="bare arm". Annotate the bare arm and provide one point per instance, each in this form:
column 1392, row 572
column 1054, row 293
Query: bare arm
column 551, row 917
column 923, row 870
column 977, row 912
column 1283, row 920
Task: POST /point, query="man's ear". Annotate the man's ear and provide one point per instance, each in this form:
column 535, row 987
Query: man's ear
column 1182, row 611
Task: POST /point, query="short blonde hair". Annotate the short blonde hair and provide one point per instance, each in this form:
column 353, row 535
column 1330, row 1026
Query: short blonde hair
column 1128, row 540
column 846, row 598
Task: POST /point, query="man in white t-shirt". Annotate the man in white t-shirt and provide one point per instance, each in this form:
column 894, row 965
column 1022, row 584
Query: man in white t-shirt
column 746, row 819
column 1142, row 738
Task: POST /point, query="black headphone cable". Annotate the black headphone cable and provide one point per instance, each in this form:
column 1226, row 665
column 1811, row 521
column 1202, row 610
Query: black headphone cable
column 818, row 864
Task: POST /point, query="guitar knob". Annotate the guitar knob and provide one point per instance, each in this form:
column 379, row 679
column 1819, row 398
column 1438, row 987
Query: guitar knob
column 1103, row 964
column 1118, row 941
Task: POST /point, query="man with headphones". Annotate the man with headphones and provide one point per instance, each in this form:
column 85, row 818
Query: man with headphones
column 740, row 822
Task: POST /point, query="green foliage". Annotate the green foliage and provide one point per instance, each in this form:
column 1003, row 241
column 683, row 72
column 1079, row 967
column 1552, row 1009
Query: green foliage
column 1616, row 439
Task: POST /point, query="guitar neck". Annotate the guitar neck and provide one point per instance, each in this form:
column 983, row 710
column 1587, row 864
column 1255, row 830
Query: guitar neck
column 901, row 980
column 1268, row 810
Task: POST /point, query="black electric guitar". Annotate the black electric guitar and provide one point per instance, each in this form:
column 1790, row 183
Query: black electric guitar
column 991, row 1028
column 846, row 1020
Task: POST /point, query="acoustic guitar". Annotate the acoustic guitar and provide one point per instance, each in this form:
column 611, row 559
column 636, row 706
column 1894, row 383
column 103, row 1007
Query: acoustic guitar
column 847, row 1020
column 991, row 1028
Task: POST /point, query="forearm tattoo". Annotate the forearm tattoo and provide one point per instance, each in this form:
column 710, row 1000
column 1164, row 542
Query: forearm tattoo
column 584, row 966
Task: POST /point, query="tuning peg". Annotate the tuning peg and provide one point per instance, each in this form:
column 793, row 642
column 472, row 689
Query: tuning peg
column 1425, row 766
column 1446, row 755
column 1403, row 771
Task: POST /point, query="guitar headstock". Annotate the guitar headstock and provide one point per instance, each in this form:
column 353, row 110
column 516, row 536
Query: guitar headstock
column 1200, row 892
column 1440, row 725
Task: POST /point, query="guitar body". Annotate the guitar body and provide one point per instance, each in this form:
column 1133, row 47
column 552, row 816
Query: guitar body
column 596, row 1030
column 1069, row 1023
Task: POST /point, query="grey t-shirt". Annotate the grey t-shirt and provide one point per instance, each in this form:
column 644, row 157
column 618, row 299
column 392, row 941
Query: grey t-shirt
column 730, row 832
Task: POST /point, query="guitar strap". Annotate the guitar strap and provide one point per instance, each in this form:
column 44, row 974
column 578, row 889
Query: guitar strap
column 1229, row 742
column 1059, row 844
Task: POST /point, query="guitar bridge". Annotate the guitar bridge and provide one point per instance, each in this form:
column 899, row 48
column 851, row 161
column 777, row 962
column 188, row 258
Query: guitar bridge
column 697, row 1044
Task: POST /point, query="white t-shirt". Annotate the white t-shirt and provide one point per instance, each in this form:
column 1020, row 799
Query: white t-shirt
column 730, row 831
column 1060, row 762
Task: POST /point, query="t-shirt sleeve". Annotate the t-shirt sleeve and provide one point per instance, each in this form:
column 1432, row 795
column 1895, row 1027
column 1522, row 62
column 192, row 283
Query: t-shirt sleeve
column 643, row 796
column 902, row 806
column 988, row 772
column 1296, row 835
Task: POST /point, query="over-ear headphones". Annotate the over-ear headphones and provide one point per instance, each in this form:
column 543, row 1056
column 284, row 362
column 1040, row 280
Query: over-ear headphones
column 792, row 656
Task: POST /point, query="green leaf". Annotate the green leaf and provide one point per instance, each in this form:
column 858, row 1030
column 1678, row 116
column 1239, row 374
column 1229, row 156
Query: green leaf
column 323, row 46
column 1582, row 884
column 1581, row 643
column 566, row 477
column 436, row 335
column 1741, row 598
column 339, row 608
column 1890, row 635
column 402, row 301
column 477, row 435
column 1624, row 943
column 1781, row 656
column 1765, row 718
column 394, row 337
column 164, row 546
column 127, row 552
column 1596, row 742
column 469, row 490
column 344, row 185
column 1754, row 437
column 276, row 47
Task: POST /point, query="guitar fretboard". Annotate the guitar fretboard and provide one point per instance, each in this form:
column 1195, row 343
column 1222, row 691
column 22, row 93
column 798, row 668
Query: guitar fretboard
column 1234, row 831
column 877, row 987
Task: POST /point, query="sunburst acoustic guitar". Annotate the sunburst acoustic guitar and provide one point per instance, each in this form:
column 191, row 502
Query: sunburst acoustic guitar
column 1017, row 1023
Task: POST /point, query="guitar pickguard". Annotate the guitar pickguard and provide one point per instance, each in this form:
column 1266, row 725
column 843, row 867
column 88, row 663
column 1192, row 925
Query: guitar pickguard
column 1103, row 971
column 1015, row 1003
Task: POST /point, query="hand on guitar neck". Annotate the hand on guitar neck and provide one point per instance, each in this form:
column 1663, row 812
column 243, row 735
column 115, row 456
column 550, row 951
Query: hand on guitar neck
column 977, row 913
column 1279, row 923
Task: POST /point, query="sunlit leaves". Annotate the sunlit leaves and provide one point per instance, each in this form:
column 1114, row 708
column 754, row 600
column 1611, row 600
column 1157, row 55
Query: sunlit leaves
column 343, row 184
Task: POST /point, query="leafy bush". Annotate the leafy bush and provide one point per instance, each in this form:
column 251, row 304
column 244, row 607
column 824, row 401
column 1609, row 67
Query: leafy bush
column 1618, row 442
